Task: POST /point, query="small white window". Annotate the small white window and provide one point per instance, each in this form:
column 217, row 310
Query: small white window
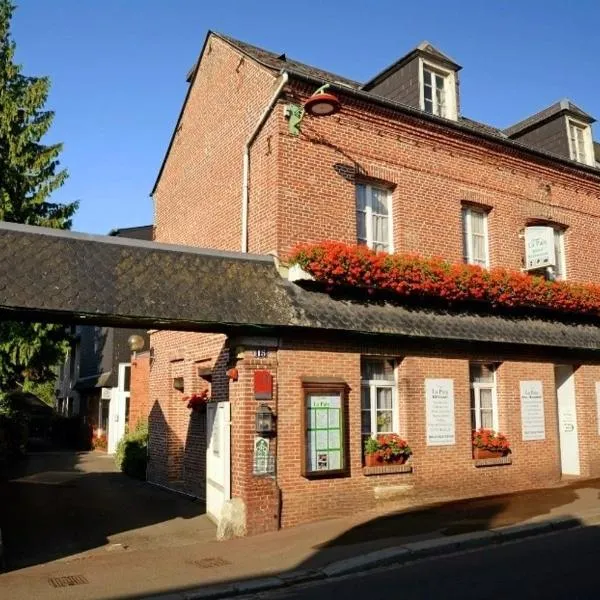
column 475, row 236
column 581, row 145
column 373, row 217
column 484, row 404
column 378, row 397
column 434, row 92
column 560, row 268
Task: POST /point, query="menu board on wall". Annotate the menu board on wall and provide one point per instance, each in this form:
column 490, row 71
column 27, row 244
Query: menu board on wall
column 439, row 401
column 324, row 447
column 532, row 411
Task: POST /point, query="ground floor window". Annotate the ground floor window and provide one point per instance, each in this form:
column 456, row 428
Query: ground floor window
column 484, row 406
column 378, row 397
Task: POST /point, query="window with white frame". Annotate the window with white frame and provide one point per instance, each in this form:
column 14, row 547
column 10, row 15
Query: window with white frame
column 578, row 143
column 434, row 92
column 560, row 268
column 373, row 217
column 484, row 405
column 378, row 397
column 475, row 236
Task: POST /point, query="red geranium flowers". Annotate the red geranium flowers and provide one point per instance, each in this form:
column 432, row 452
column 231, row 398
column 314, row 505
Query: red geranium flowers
column 341, row 265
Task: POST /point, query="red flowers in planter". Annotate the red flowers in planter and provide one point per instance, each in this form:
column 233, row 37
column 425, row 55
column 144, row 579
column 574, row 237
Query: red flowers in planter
column 340, row 265
column 197, row 401
column 388, row 448
column 487, row 439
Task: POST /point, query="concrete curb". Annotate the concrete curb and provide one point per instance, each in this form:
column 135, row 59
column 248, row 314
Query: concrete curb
column 380, row 558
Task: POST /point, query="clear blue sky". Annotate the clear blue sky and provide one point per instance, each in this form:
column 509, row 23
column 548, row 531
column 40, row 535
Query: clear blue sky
column 118, row 69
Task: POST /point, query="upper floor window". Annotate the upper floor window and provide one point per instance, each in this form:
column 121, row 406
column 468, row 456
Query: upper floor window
column 438, row 91
column 373, row 217
column 560, row 268
column 484, row 405
column 434, row 92
column 475, row 236
column 378, row 397
column 580, row 142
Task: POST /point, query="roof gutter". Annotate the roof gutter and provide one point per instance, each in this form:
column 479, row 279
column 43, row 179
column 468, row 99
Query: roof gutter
column 246, row 168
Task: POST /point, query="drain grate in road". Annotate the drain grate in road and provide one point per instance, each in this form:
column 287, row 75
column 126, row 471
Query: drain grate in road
column 210, row 562
column 67, row 581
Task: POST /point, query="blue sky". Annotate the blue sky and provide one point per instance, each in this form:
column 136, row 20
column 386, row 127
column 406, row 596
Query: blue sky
column 118, row 69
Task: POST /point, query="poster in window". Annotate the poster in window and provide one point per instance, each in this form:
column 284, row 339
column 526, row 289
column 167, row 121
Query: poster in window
column 532, row 411
column 439, row 401
column 324, row 452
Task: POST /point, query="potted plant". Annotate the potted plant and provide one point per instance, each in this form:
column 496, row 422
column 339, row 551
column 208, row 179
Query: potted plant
column 387, row 449
column 489, row 444
column 197, row 402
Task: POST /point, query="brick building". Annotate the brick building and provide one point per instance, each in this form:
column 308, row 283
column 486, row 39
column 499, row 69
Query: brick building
column 401, row 170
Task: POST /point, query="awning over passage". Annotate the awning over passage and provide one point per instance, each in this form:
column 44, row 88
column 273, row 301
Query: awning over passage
column 54, row 275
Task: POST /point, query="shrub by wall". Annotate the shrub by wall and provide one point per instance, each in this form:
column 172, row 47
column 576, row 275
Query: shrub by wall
column 132, row 451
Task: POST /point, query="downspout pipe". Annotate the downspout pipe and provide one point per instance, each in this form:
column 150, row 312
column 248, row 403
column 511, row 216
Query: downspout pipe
column 246, row 170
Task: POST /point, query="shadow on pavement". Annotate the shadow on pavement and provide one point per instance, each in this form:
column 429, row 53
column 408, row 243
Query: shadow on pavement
column 56, row 504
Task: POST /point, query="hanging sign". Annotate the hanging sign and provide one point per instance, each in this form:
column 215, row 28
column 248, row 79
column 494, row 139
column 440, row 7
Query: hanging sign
column 439, row 402
column 539, row 248
column 532, row 411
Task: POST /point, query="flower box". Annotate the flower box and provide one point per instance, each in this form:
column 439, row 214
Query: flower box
column 489, row 444
column 481, row 453
column 415, row 279
column 386, row 449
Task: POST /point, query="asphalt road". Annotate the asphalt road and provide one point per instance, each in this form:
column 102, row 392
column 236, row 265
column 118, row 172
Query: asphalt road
column 564, row 565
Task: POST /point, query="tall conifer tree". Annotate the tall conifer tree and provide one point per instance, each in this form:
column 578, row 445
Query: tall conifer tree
column 29, row 173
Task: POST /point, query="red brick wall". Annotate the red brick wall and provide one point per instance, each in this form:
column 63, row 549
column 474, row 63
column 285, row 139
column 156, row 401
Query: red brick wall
column 432, row 172
column 441, row 472
column 139, row 399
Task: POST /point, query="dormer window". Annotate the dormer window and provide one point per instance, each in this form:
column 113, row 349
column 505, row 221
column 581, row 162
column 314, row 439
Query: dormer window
column 438, row 91
column 580, row 142
column 434, row 92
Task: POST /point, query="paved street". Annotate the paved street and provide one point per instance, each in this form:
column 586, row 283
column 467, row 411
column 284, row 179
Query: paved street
column 57, row 504
column 562, row 566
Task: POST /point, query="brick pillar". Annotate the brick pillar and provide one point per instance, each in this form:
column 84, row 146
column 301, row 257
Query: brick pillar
column 139, row 401
column 260, row 494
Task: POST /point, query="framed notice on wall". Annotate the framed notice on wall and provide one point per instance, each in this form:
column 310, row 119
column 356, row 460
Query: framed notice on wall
column 439, row 412
column 532, row 411
column 323, row 426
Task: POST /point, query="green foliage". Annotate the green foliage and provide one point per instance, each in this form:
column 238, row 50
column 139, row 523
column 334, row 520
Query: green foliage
column 44, row 390
column 371, row 445
column 132, row 451
column 29, row 173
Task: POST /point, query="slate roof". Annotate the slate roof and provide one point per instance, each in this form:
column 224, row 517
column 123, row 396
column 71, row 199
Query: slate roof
column 63, row 276
column 546, row 114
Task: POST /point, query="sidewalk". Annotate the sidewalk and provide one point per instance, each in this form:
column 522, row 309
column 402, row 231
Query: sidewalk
column 326, row 548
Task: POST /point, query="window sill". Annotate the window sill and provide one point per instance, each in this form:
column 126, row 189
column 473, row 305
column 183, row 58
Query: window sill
column 492, row 462
column 387, row 469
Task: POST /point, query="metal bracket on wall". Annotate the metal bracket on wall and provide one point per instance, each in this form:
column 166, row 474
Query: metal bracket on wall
column 294, row 114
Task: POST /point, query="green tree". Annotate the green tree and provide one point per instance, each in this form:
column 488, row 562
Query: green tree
column 29, row 174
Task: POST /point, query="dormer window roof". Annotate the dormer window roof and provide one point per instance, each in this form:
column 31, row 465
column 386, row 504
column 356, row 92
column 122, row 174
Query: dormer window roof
column 425, row 78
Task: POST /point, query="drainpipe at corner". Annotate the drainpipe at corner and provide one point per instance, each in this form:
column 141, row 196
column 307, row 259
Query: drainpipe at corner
column 246, row 171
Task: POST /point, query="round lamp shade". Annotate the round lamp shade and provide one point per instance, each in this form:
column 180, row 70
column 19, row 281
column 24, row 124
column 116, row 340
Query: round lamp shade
column 135, row 343
column 322, row 105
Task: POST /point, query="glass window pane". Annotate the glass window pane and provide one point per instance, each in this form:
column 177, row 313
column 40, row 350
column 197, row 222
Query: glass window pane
column 426, row 77
column 479, row 249
column 377, row 368
column 361, row 225
column 365, row 398
column 477, row 222
column 379, row 201
column 361, row 197
column 481, row 373
column 485, row 398
column 487, row 420
column 384, row 398
column 380, row 229
column 384, row 421
column 439, row 82
column 366, row 422
column 428, row 106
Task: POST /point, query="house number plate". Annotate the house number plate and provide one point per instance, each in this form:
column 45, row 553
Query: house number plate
column 261, row 353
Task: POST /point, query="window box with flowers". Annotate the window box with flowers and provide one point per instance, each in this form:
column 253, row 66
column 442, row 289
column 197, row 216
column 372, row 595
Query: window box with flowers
column 490, row 445
column 197, row 402
column 384, row 453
